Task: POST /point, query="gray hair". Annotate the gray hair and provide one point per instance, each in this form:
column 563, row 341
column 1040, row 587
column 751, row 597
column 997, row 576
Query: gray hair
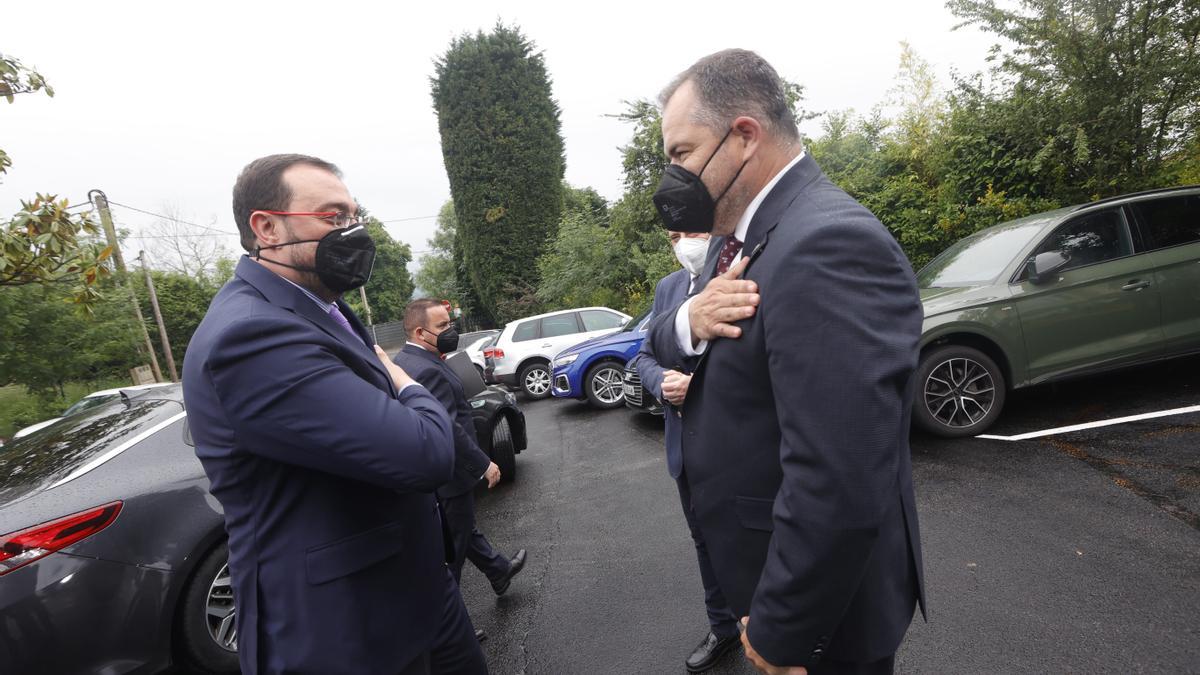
column 736, row 82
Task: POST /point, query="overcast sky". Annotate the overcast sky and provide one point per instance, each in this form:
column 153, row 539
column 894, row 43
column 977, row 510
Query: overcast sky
column 160, row 104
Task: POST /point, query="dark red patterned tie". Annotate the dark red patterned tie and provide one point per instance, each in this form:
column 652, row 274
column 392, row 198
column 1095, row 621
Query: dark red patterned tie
column 729, row 251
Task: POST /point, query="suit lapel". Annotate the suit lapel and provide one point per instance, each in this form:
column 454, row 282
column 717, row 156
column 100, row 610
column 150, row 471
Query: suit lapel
column 437, row 361
column 422, row 353
column 364, row 345
column 767, row 217
column 765, row 220
column 279, row 292
column 359, row 327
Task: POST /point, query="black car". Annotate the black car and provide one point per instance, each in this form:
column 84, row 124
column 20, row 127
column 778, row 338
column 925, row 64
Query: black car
column 113, row 556
column 500, row 428
column 637, row 397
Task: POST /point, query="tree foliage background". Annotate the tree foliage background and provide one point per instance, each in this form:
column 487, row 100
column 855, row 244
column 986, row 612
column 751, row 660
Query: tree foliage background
column 503, row 151
column 438, row 276
column 391, row 284
column 45, row 242
column 1088, row 100
column 1083, row 100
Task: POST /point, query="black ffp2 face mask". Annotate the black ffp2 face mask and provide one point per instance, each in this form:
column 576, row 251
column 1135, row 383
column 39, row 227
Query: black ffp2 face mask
column 447, row 340
column 683, row 202
column 344, row 260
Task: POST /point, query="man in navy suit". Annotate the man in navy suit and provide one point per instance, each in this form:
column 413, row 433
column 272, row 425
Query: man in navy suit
column 670, row 387
column 796, row 421
column 323, row 454
column 427, row 323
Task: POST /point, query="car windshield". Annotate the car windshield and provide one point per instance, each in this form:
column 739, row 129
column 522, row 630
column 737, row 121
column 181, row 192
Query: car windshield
column 39, row 460
column 982, row 257
column 89, row 403
column 636, row 322
column 477, row 343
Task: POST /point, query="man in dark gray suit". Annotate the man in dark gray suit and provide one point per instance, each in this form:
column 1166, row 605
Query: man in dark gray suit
column 795, row 425
column 431, row 335
column 670, row 387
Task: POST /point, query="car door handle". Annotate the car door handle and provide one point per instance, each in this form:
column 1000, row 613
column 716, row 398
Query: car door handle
column 1135, row 285
column 547, row 346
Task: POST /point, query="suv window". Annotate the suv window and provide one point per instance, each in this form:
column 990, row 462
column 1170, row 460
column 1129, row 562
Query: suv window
column 1094, row 238
column 596, row 319
column 525, row 331
column 1169, row 222
column 563, row 324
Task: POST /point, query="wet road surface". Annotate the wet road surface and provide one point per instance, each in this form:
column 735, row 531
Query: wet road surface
column 1071, row 553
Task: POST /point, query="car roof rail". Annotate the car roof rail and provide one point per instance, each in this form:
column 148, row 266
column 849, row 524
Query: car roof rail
column 1143, row 193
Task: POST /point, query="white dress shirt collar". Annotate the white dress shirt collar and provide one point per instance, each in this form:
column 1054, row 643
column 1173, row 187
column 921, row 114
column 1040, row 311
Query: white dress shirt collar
column 743, row 225
column 415, row 344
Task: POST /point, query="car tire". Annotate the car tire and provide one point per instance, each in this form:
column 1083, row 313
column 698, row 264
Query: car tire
column 603, row 385
column 202, row 633
column 960, row 391
column 481, row 375
column 503, row 451
column 534, row 380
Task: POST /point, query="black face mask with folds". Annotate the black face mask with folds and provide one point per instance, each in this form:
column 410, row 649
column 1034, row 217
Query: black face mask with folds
column 682, row 201
column 344, row 258
column 447, row 340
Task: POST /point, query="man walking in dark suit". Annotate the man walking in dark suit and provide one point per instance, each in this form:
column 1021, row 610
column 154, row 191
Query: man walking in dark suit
column 323, row 454
column 670, row 388
column 796, row 422
column 430, row 335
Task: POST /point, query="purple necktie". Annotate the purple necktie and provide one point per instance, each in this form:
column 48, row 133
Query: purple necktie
column 342, row 320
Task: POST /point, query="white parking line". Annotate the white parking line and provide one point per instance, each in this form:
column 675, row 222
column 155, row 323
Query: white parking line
column 1093, row 425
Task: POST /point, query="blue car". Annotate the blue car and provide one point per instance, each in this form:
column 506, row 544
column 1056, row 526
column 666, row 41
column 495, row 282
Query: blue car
column 594, row 370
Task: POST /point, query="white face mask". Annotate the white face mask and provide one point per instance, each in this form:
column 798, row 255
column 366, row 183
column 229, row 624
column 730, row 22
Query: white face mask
column 690, row 251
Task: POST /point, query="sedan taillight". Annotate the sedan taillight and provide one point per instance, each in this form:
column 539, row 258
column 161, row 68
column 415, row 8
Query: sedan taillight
column 18, row 549
column 493, row 353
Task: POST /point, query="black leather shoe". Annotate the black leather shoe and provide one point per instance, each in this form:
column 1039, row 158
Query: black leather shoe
column 709, row 651
column 514, row 566
column 480, row 636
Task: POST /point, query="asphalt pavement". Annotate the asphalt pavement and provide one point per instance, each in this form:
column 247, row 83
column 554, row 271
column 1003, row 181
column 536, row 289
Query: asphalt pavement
column 1077, row 552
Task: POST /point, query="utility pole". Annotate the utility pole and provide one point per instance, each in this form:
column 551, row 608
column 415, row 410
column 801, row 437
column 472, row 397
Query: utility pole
column 362, row 293
column 101, row 201
column 162, row 329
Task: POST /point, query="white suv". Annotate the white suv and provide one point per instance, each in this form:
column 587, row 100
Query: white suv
column 521, row 356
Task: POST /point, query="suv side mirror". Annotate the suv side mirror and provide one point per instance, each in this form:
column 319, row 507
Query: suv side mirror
column 1042, row 267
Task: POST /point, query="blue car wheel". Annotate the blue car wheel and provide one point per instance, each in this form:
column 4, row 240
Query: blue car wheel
column 603, row 385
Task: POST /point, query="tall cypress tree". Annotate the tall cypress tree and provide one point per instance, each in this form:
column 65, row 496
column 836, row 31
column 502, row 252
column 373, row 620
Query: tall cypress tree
column 503, row 150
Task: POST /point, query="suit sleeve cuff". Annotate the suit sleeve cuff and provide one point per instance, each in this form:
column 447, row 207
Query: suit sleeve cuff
column 410, row 384
column 683, row 331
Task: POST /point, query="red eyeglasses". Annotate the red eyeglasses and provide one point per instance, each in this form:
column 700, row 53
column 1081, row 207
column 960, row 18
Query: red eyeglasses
column 335, row 218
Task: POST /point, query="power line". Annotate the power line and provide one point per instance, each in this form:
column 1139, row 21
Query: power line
column 205, row 227
column 178, row 236
column 138, row 235
column 173, row 218
column 407, row 219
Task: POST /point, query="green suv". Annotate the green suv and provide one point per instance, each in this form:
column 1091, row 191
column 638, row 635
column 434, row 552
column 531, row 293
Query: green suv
column 1054, row 295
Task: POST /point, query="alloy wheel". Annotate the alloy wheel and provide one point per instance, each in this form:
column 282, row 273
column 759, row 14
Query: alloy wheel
column 220, row 612
column 959, row 392
column 537, row 381
column 607, row 385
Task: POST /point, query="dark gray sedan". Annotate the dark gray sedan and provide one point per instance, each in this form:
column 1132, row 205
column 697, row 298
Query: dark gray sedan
column 113, row 553
column 112, row 550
